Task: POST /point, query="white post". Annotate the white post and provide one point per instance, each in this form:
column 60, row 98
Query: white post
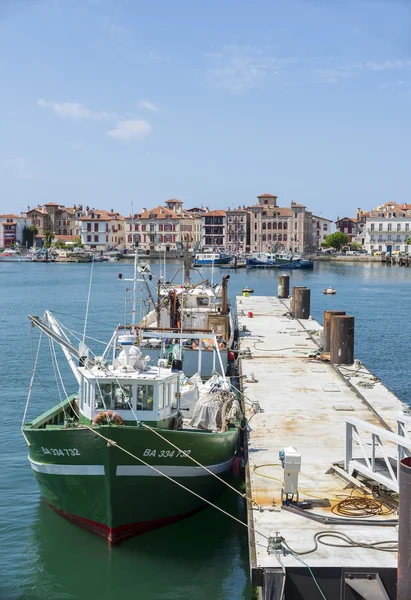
column 348, row 445
column 199, row 357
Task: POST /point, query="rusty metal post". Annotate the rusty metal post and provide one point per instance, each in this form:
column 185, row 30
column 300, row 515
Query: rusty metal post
column 342, row 340
column 293, row 293
column 283, row 286
column 302, row 303
column 404, row 531
column 327, row 325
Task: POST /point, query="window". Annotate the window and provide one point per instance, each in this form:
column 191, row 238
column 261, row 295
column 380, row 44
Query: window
column 295, row 225
column 152, row 227
column 152, row 238
column 280, row 225
column 274, row 225
column 95, row 226
column 269, row 237
column 268, row 225
column 398, row 238
column 96, row 238
column 280, row 237
column 255, row 225
column 145, row 397
column 398, row 226
column 89, row 238
column 285, row 226
column 372, row 238
column 143, row 228
column 264, row 237
column 407, row 226
column 88, row 226
column 389, row 237
column 372, row 227
column 264, row 226
column 380, row 227
column 284, row 237
column 389, row 226
column 113, row 395
column 203, row 301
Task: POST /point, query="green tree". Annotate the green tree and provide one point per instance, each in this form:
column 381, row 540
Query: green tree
column 356, row 246
column 325, row 244
column 337, row 240
column 48, row 240
column 408, row 242
column 29, row 233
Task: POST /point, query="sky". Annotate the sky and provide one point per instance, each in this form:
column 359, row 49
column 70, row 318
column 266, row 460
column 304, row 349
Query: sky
column 114, row 103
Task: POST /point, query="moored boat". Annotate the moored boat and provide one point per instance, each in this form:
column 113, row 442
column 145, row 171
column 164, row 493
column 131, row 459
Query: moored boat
column 14, row 256
column 120, row 456
column 208, row 259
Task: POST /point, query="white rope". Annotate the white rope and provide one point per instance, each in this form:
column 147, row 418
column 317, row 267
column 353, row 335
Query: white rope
column 31, row 388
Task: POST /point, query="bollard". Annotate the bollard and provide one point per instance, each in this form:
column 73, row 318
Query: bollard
column 283, row 286
column 404, row 531
column 342, row 340
column 327, row 325
column 302, row 303
column 293, row 293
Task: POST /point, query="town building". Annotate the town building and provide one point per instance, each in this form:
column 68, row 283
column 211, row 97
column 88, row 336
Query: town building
column 321, row 227
column 11, row 229
column 214, row 230
column 388, row 228
column 301, row 235
column 238, row 230
column 348, row 226
column 270, row 225
column 160, row 229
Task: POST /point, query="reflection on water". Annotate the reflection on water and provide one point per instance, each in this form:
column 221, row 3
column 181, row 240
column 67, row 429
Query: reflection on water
column 204, row 557
column 179, row 561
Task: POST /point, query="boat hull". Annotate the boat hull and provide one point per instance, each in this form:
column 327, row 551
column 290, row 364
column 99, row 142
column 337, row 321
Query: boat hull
column 210, row 263
column 101, row 488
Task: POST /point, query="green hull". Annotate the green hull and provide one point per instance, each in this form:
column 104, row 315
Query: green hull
column 105, row 490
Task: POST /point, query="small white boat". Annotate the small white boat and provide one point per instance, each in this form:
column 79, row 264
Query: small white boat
column 330, row 291
column 248, row 290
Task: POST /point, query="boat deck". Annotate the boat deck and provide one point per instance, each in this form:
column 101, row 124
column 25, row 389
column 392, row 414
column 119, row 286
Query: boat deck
column 304, row 402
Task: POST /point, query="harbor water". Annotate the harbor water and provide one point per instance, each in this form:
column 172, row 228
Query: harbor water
column 204, row 557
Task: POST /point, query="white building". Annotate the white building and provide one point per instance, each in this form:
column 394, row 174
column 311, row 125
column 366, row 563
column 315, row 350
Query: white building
column 102, row 230
column 11, row 229
column 388, row 228
column 320, row 229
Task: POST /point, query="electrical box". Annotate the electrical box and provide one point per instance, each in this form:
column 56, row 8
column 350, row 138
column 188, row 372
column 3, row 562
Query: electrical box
column 290, row 459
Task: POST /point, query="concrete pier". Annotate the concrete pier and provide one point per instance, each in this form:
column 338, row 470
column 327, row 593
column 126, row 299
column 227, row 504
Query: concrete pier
column 325, row 411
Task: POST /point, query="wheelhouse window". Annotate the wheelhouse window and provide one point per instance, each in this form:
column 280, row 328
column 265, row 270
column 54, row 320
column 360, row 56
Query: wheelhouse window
column 203, row 301
column 145, row 396
column 114, row 396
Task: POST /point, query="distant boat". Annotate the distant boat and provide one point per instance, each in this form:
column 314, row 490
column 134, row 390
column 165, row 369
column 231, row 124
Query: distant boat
column 330, row 291
column 211, row 258
column 14, row 256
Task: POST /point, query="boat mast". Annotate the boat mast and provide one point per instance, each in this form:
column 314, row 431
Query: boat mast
column 187, row 262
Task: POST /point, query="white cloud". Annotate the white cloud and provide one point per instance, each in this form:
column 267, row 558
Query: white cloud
column 241, row 68
column 148, row 105
column 387, row 65
column 74, row 110
column 133, row 129
column 18, row 167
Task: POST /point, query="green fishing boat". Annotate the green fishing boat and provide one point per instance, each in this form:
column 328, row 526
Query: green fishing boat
column 136, row 446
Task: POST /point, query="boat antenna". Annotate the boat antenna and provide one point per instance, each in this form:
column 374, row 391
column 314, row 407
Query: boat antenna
column 88, row 301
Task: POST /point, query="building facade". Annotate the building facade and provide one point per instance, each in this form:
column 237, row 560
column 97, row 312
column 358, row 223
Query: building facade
column 270, row 225
column 214, row 230
column 320, row 229
column 11, row 229
column 238, row 230
column 348, row 226
column 161, row 228
column 388, row 229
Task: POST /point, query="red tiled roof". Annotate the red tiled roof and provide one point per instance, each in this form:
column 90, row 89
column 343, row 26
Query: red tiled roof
column 297, row 205
column 52, row 204
column 37, row 209
column 160, row 212
column 215, row 213
column 11, row 216
column 175, row 201
column 267, row 196
column 346, row 219
column 5, row 223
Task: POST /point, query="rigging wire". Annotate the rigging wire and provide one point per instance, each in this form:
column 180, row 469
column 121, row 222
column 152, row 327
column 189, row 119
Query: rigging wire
column 88, row 300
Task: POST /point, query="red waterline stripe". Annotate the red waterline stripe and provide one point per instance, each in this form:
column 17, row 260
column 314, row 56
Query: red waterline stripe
column 122, row 532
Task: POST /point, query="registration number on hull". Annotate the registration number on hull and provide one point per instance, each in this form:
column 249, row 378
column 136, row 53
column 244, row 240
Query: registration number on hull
column 166, row 453
column 61, row 451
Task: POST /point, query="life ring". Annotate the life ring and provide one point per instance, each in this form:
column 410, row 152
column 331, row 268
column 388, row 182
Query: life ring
column 108, row 416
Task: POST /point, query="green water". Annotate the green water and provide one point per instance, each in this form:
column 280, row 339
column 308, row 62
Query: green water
column 204, row 557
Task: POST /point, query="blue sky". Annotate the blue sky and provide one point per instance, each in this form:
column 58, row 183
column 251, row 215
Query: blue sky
column 109, row 102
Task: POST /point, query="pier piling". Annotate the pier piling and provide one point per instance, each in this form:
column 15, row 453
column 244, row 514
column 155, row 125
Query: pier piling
column 301, row 303
column 283, row 286
column 293, row 295
column 327, row 326
column 342, row 340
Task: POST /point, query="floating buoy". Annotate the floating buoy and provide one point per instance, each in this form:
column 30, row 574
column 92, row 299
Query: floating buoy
column 329, row 290
column 250, row 314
